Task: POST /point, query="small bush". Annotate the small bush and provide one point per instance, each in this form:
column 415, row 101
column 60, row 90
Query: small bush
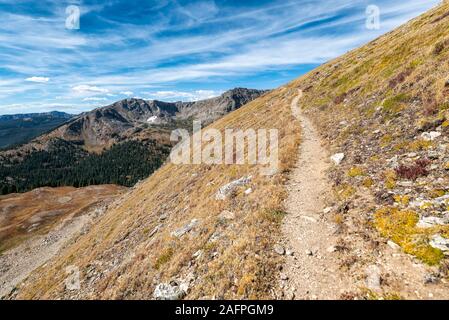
column 164, row 258
column 400, row 226
column 395, row 104
column 419, row 169
column 440, row 46
column 356, row 172
column 399, row 78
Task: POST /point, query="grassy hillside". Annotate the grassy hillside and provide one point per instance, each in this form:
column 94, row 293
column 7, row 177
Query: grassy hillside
column 373, row 104
column 135, row 238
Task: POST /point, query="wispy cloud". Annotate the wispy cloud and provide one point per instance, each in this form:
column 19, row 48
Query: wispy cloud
column 87, row 89
column 38, row 79
column 183, row 95
column 173, row 49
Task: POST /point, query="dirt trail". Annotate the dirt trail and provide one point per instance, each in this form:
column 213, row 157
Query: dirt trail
column 313, row 270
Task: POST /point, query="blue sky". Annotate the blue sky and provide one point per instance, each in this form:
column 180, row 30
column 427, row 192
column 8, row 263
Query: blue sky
column 172, row 49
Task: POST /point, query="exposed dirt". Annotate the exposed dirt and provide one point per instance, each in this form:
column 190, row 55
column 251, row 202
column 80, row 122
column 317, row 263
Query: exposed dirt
column 37, row 212
column 65, row 212
column 312, row 271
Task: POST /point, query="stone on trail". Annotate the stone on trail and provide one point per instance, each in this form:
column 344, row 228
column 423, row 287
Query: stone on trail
column 279, row 249
column 338, row 158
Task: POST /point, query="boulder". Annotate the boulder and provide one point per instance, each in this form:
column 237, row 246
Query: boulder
column 438, row 242
column 187, row 228
column 227, row 190
column 430, row 136
column 170, row 291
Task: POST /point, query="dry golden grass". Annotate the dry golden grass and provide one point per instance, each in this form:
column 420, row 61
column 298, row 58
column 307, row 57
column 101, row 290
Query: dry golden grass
column 244, row 265
column 37, row 212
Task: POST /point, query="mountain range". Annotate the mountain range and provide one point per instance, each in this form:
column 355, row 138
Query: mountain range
column 120, row 143
column 21, row 128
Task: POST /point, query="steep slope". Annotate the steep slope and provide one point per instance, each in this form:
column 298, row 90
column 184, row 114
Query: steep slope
column 21, row 128
column 384, row 106
column 133, row 247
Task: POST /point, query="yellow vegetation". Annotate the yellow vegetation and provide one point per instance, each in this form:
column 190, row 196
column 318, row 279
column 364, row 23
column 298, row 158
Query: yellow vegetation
column 390, row 179
column 400, row 226
column 368, row 183
column 403, row 200
column 345, row 191
column 356, row 172
column 419, row 145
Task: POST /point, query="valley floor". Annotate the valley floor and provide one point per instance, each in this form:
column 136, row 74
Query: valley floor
column 35, row 226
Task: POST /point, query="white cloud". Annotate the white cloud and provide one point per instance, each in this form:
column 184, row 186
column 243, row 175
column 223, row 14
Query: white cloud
column 183, row 95
column 95, row 99
column 250, row 41
column 38, row 79
column 87, row 89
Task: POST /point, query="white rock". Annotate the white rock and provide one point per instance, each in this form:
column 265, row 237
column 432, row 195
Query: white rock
column 172, row 291
column 394, row 162
column 227, row 215
column 338, row 158
column 154, row 231
column 198, row 254
column 443, row 199
column 430, row 222
column 438, row 242
column 187, row 228
column 279, row 249
column 373, row 278
column 224, row 192
column 405, row 184
column 332, row 249
column 152, row 119
column 393, row 245
column 249, row 191
column 430, row 136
